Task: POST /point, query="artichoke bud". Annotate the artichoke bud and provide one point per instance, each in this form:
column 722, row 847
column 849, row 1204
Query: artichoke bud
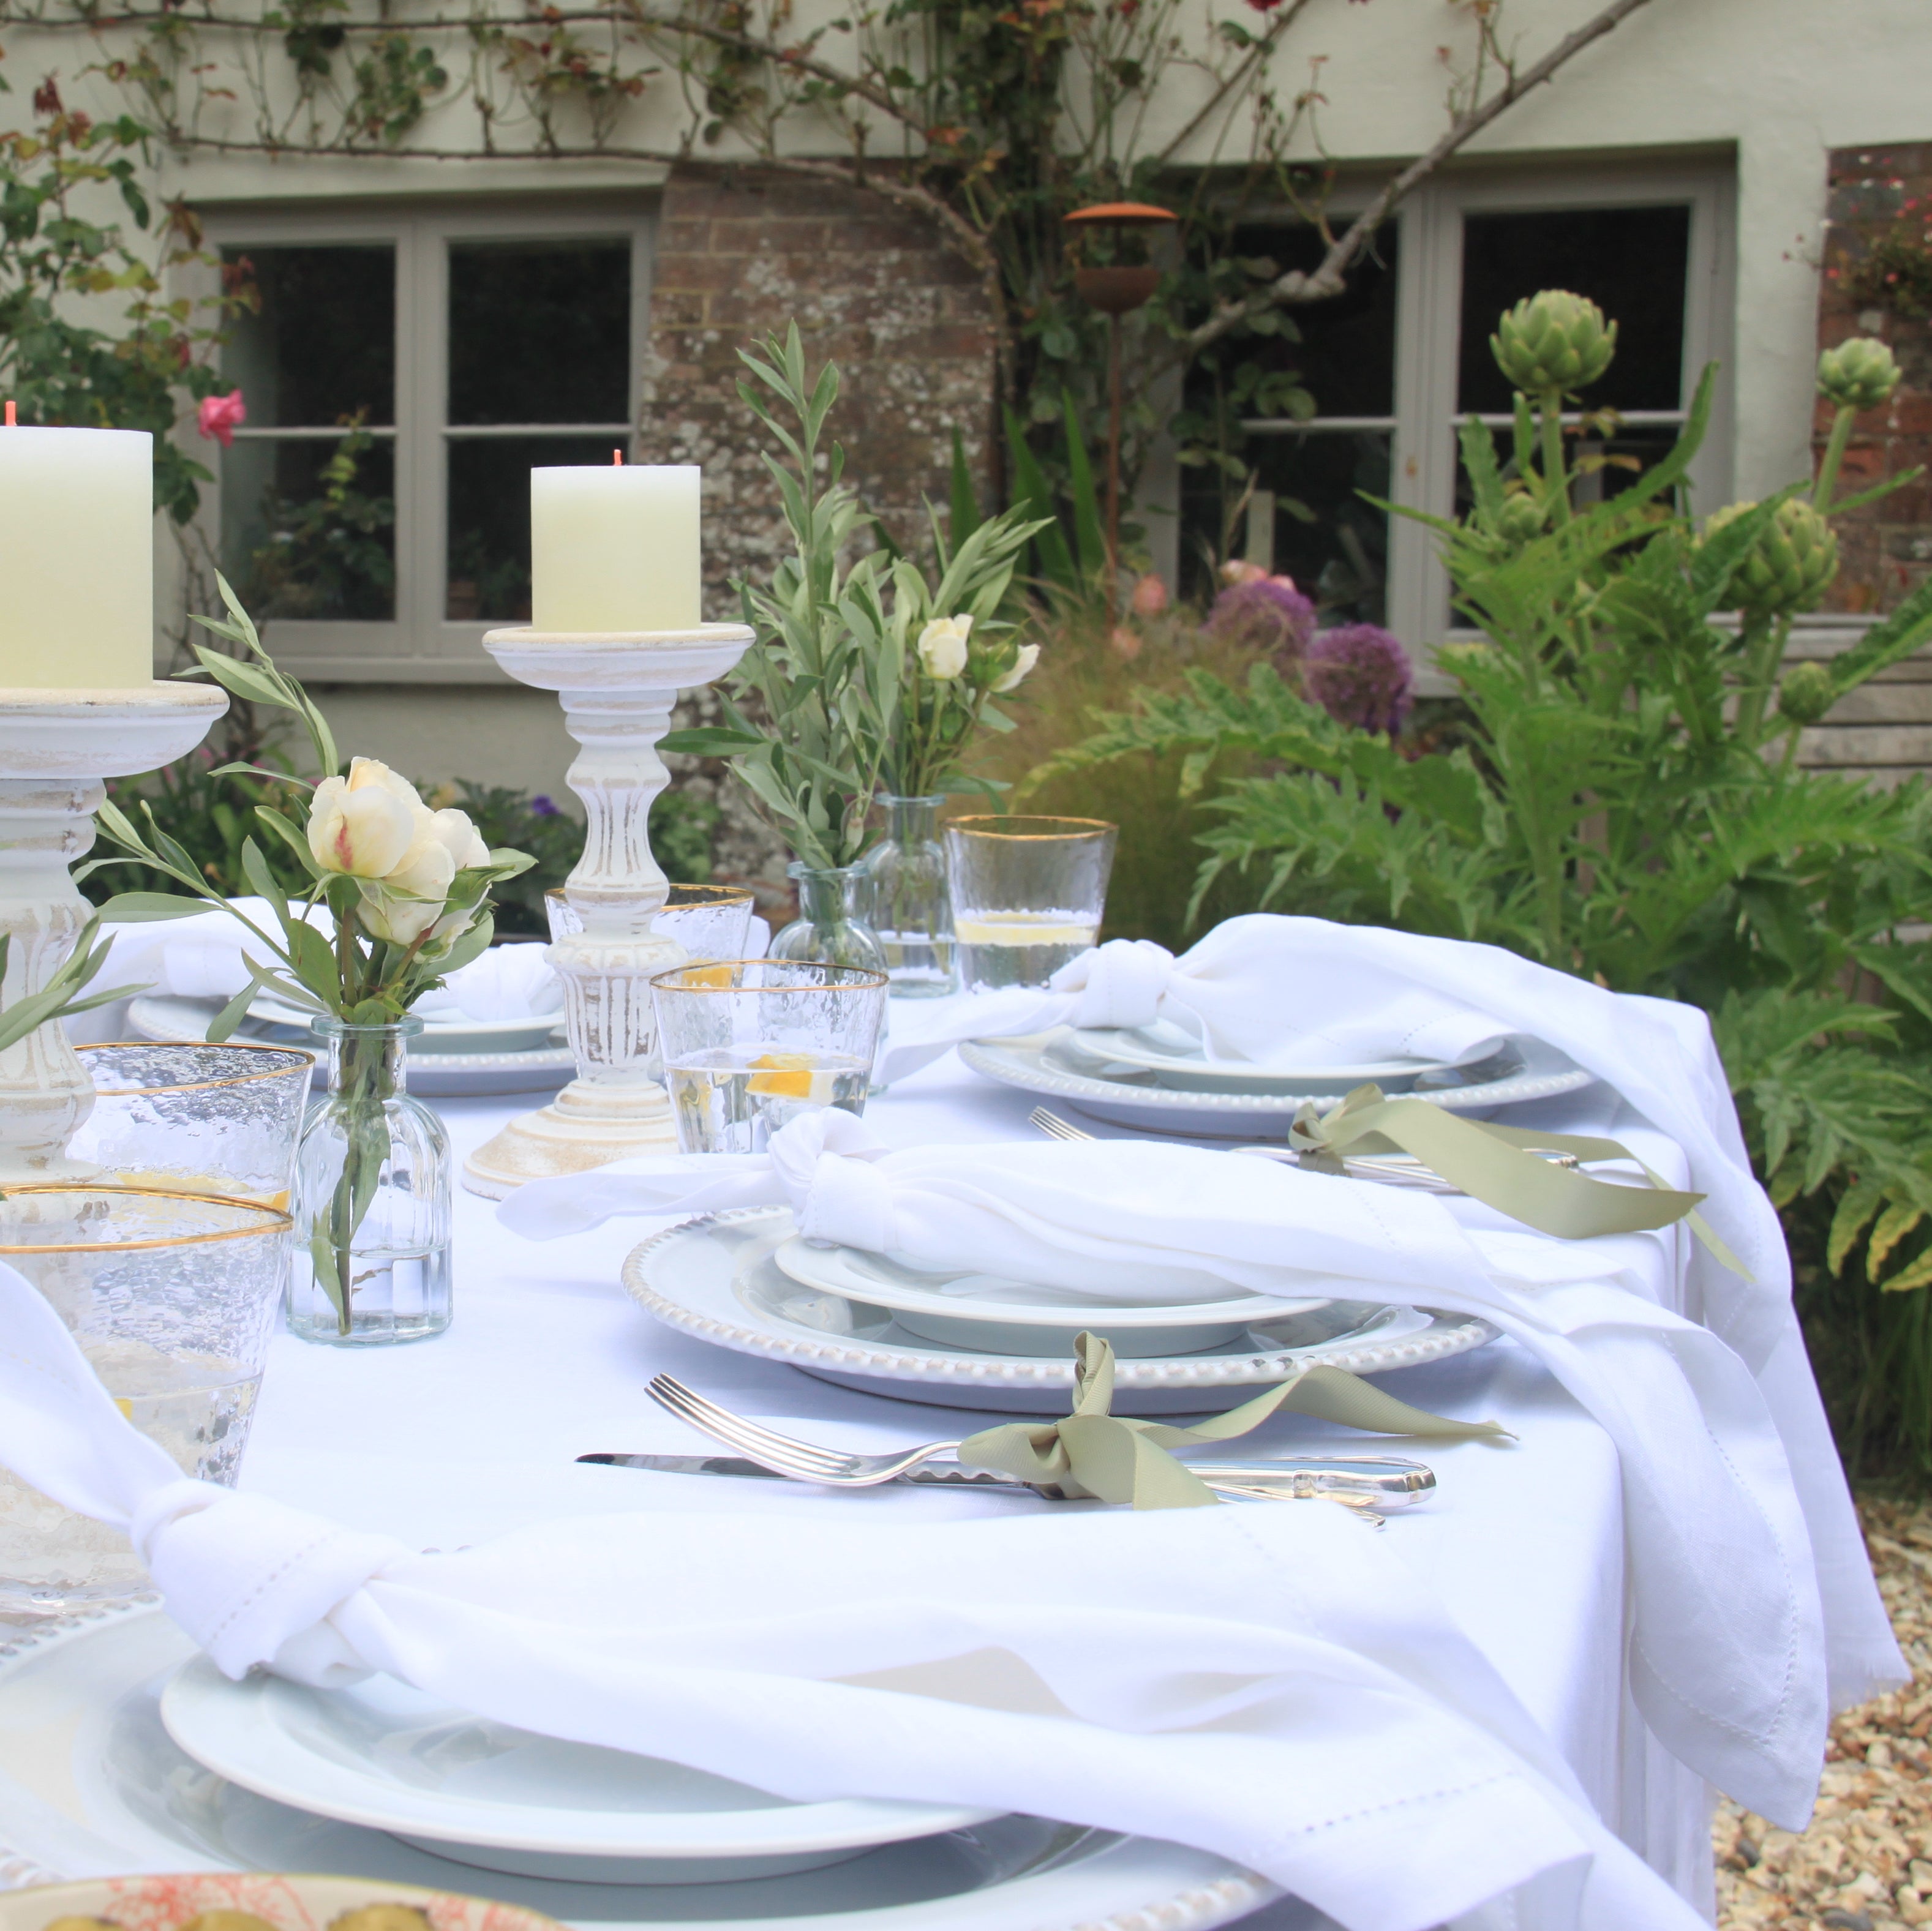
column 1807, row 694
column 1859, row 374
column 1789, row 567
column 1521, row 520
column 1553, row 342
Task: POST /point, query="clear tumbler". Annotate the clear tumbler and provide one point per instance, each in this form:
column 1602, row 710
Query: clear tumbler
column 171, row 1297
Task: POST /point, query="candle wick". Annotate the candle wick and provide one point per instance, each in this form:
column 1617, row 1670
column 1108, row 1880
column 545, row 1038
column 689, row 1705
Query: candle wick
column 616, row 455
column 12, row 421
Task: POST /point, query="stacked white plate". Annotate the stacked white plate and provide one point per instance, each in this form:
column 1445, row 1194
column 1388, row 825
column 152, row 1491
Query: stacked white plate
column 1157, row 1078
column 744, row 1281
column 120, row 1749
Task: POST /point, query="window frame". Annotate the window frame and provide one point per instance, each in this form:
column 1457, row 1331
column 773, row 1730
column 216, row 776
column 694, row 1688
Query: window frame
column 421, row 644
column 1429, row 300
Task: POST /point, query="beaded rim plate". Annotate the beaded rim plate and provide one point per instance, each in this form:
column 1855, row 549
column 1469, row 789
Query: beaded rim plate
column 695, row 1276
column 1033, row 1065
column 88, row 1777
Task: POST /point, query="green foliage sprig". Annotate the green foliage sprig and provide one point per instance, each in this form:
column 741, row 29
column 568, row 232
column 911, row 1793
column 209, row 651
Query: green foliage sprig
column 825, row 707
column 65, row 993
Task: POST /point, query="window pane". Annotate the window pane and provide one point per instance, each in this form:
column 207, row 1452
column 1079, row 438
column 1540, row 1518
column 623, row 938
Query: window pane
column 1334, row 545
column 540, row 331
column 1631, row 261
column 489, row 559
column 1346, row 354
column 308, row 528
column 323, row 346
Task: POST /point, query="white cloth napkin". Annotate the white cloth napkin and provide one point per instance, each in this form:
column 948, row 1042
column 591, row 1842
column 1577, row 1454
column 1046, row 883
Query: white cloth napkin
column 1267, row 1683
column 508, row 982
column 1727, row 1642
column 202, row 956
column 1239, row 993
column 1271, row 977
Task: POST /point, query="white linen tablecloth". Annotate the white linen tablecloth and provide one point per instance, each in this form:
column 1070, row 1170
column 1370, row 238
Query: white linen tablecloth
column 447, row 1443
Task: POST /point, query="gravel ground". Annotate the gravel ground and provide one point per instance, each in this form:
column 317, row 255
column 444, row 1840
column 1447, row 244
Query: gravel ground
column 1866, row 1863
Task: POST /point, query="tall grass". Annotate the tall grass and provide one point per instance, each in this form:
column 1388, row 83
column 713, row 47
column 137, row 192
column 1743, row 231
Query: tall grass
column 1081, row 673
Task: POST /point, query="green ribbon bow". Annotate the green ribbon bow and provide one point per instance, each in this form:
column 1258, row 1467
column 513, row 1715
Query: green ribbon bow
column 1118, row 1458
column 1488, row 1163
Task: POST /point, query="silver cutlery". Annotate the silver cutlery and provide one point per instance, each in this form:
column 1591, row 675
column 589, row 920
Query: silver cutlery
column 804, row 1462
column 1388, row 1481
column 1396, row 1169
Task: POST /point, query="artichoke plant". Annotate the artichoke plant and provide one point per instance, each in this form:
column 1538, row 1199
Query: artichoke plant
column 1791, row 564
column 1858, row 375
column 1552, row 343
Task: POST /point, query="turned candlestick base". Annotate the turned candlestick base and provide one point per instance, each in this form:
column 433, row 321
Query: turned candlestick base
column 55, row 749
column 617, row 691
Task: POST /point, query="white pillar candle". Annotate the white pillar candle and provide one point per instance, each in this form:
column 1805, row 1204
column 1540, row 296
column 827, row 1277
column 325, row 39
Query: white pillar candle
column 615, row 549
column 77, row 559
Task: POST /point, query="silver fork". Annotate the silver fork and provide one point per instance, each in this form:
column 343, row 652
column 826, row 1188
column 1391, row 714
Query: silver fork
column 836, row 1468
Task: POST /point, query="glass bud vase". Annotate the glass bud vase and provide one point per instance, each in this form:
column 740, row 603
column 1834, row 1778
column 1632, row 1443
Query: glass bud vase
column 912, row 904
column 834, row 923
column 372, row 1199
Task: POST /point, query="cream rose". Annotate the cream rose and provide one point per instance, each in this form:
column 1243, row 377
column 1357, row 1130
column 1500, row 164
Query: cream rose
column 1023, row 665
column 407, row 901
column 942, row 646
column 363, row 824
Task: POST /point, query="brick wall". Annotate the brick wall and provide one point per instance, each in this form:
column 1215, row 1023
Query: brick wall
column 740, row 253
column 1885, row 548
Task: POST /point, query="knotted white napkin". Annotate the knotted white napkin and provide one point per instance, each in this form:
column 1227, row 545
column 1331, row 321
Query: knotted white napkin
column 508, row 982
column 204, row 955
column 1264, row 1682
column 1236, row 992
column 1727, row 1655
column 1274, row 981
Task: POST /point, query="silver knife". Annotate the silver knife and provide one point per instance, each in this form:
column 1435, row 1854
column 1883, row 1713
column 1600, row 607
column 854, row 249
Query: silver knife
column 1386, row 1480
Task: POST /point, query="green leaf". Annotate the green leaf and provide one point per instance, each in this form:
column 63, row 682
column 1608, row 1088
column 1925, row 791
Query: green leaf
column 127, row 908
column 1030, row 487
column 1089, row 531
column 963, row 517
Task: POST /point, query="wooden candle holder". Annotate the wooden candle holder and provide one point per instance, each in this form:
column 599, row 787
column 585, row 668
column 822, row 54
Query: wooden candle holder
column 617, row 690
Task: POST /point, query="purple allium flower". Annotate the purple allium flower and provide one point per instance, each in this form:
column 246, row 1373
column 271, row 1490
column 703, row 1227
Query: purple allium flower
column 1266, row 613
column 1360, row 675
column 541, row 807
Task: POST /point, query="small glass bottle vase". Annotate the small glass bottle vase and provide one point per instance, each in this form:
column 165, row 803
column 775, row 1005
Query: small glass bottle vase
column 912, row 902
column 372, row 1206
column 832, row 927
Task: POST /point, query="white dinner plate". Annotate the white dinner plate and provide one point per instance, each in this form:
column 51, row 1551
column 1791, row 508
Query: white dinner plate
column 436, row 1075
column 1175, row 1058
column 715, row 1277
column 456, row 1034
column 1134, row 1096
column 1007, row 1316
column 386, row 1756
column 90, row 1780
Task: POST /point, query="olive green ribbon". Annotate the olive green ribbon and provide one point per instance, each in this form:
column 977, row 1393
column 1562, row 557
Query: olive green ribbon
column 1488, row 1164
column 1119, row 1458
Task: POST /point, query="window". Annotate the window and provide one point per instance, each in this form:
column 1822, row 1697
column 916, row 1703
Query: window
column 1397, row 363
column 405, row 372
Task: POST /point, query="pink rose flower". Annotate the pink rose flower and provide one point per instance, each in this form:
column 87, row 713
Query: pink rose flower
column 220, row 416
column 1149, row 597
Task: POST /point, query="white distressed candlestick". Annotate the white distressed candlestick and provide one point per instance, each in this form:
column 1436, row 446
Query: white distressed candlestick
column 617, row 690
column 55, row 748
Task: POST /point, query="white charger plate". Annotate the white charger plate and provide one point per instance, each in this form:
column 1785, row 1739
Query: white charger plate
column 715, row 1277
column 431, row 1075
column 90, row 1780
column 1042, row 1063
column 1175, row 1058
column 386, row 1756
column 1008, row 1317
